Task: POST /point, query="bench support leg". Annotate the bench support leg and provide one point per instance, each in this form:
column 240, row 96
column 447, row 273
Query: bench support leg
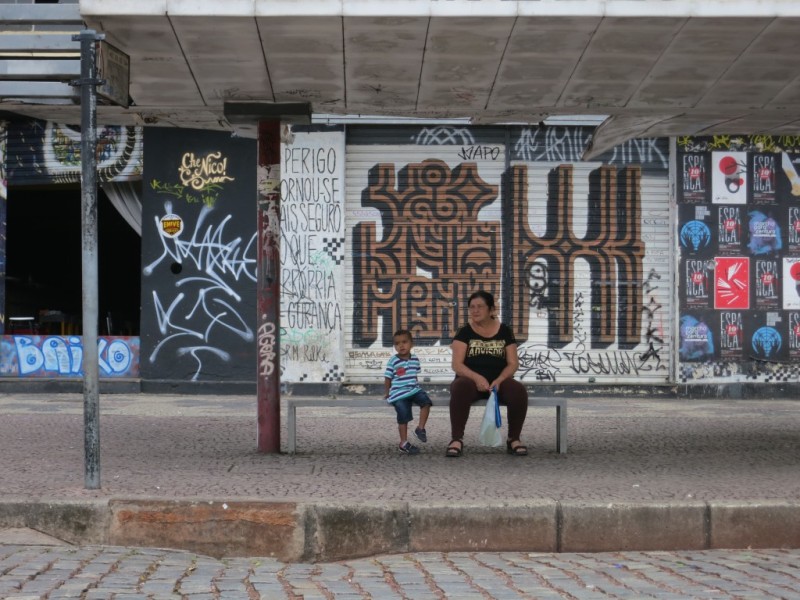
column 561, row 429
column 291, row 425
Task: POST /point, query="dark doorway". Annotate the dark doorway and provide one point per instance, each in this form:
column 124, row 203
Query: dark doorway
column 43, row 264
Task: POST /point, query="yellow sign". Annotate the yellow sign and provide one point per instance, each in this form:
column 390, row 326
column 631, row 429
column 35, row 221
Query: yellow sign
column 200, row 172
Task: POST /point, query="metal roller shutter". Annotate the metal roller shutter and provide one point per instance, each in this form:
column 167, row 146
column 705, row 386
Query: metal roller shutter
column 577, row 254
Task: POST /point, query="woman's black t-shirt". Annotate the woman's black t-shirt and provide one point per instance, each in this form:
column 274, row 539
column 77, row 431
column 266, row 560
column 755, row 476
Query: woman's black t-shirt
column 486, row 356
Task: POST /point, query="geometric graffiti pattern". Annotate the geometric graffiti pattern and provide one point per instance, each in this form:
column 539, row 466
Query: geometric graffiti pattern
column 334, row 247
column 612, row 247
column 333, row 374
column 432, row 254
column 761, row 372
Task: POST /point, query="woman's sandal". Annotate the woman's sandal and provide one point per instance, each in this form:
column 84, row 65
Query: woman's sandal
column 454, row 451
column 518, row 450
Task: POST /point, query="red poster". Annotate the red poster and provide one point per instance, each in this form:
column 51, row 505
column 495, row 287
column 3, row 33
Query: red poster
column 732, row 278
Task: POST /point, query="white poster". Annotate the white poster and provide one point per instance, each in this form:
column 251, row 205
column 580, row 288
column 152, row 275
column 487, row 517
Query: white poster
column 729, row 177
column 312, row 257
column 791, row 283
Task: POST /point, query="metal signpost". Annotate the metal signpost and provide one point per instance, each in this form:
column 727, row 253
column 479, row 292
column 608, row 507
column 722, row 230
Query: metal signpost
column 91, row 372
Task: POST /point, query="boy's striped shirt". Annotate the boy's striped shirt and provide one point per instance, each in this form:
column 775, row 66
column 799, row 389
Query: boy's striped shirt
column 403, row 373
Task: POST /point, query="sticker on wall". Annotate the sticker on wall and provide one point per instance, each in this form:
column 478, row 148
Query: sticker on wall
column 793, row 229
column 732, row 282
column 767, row 283
column 729, row 178
column 731, row 335
column 171, row 225
column 766, row 343
column 791, row 282
column 697, row 282
column 694, row 185
column 765, row 233
column 695, row 236
column 729, row 229
column 697, row 340
column 793, row 336
column 763, row 176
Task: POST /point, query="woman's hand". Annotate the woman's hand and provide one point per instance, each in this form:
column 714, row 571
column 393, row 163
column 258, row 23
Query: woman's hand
column 482, row 383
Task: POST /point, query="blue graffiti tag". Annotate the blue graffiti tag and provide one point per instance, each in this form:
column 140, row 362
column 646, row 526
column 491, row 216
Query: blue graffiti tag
column 65, row 355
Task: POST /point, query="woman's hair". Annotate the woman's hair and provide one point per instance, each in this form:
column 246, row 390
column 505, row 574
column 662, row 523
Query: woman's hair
column 483, row 295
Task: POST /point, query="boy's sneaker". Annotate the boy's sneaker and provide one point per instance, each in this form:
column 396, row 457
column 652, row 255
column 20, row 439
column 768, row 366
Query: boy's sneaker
column 422, row 436
column 408, row 449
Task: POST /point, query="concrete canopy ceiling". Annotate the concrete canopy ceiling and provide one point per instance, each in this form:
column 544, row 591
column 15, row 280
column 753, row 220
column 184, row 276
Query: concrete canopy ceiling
column 655, row 67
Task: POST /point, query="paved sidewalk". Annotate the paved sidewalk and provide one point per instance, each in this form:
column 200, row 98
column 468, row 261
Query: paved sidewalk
column 103, row 573
column 695, row 462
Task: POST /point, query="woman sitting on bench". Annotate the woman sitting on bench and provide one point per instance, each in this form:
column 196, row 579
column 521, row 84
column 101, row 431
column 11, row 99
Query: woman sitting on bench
column 485, row 356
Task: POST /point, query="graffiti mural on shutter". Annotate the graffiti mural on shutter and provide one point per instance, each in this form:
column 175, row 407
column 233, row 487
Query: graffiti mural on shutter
column 576, row 254
column 43, row 152
column 425, row 230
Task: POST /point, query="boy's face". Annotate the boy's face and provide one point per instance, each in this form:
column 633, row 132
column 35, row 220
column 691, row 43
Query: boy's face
column 403, row 344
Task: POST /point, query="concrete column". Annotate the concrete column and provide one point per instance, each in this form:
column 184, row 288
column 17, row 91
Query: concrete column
column 268, row 320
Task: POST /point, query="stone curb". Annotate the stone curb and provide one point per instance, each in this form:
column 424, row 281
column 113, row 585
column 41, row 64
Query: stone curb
column 321, row 532
column 72, row 522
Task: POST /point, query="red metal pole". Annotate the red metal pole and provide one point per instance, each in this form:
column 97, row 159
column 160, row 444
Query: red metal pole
column 268, row 320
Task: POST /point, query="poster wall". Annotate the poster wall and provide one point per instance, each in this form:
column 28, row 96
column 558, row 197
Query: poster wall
column 738, row 237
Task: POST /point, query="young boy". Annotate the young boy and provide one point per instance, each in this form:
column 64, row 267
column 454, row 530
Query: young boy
column 402, row 390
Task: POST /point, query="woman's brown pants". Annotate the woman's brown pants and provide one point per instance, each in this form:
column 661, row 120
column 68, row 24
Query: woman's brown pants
column 464, row 393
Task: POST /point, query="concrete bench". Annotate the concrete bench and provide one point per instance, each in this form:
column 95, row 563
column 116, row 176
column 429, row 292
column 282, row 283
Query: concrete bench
column 292, row 404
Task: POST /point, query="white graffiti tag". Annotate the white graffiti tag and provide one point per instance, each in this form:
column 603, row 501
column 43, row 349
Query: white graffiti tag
column 207, row 302
column 266, row 349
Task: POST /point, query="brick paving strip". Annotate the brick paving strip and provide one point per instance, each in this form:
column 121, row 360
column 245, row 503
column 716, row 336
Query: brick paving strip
column 116, row 573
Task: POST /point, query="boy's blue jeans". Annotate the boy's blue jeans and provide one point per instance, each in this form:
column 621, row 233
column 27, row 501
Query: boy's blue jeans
column 403, row 406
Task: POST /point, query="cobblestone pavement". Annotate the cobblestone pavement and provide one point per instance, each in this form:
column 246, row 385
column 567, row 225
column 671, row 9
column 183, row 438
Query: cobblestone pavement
column 620, row 449
column 115, row 573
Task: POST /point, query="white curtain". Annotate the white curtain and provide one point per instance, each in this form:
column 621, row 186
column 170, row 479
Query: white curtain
column 126, row 196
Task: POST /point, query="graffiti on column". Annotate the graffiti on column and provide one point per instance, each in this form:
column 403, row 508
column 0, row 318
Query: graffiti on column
column 432, row 253
column 312, row 255
column 268, row 266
